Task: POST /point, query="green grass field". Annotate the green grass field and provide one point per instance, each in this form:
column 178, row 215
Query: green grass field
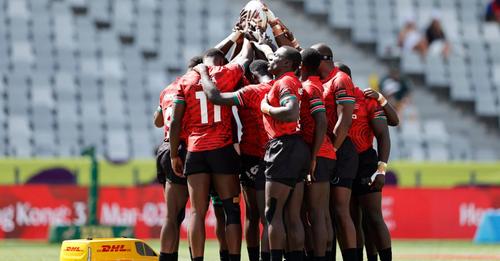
column 402, row 250
column 432, row 174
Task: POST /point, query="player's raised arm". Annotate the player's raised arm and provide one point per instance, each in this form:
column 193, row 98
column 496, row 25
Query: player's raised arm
column 226, row 44
column 282, row 35
column 390, row 112
column 245, row 56
column 209, row 88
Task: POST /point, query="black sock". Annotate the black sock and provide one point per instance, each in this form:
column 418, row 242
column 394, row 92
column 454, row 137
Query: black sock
column 309, row 255
column 372, row 257
column 320, row 258
column 276, row 254
column 224, row 255
column 200, row 258
column 349, row 254
column 168, row 256
column 190, row 253
column 329, row 257
column 385, row 254
column 295, row 256
column 235, row 257
column 265, row 256
column 360, row 253
column 253, row 253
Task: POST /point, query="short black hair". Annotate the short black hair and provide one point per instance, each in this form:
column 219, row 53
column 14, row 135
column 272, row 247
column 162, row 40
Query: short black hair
column 195, row 61
column 259, row 67
column 213, row 52
column 311, row 59
column 344, row 68
column 293, row 55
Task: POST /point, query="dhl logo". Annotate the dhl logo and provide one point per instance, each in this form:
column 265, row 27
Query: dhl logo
column 73, row 249
column 113, row 248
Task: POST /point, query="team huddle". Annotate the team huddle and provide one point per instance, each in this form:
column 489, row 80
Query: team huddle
column 305, row 163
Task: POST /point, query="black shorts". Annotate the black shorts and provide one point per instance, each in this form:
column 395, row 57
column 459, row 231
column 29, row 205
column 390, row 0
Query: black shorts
column 368, row 163
column 219, row 161
column 164, row 171
column 287, row 160
column 346, row 168
column 324, row 169
column 252, row 172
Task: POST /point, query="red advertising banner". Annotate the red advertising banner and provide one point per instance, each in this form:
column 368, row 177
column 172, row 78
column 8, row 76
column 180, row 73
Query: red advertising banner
column 28, row 211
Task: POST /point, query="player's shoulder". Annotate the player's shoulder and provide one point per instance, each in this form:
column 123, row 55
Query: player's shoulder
column 188, row 78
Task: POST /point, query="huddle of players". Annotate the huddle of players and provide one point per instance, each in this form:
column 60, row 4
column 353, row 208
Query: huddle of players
column 306, row 146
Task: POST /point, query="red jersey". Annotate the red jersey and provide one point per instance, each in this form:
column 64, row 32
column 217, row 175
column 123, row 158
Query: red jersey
column 311, row 102
column 166, row 104
column 338, row 89
column 365, row 110
column 208, row 126
column 254, row 138
column 285, row 87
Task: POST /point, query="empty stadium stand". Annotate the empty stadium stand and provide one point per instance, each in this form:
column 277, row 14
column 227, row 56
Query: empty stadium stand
column 88, row 72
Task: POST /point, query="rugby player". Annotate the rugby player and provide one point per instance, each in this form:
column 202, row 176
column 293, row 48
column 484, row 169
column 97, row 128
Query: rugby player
column 369, row 121
column 339, row 102
column 252, row 146
column 175, row 189
column 211, row 157
column 313, row 125
column 286, row 158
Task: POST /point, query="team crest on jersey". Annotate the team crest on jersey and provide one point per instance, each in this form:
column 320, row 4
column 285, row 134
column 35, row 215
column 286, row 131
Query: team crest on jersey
column 354, row 116
column 301, row 91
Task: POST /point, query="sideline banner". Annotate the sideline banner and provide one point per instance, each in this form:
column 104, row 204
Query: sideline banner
column 28, row 211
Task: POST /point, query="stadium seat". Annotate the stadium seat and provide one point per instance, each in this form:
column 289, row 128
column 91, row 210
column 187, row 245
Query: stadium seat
column 412, row 63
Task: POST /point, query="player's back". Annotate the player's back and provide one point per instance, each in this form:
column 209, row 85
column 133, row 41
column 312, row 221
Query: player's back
column 209, row 126
column 365, row 110
column 338, row 89
column 312, row 102
column 254, row 136
column 167, row 97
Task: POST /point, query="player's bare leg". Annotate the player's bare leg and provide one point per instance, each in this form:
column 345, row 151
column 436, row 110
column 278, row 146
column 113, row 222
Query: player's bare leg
column 228, row 189
column 293, row 223
column 371, row 249
column 252, row 223
column 378, row 232
column 176, row 197
column 198, row 185
column 220, row 231
column 346, row 233
column 308, row 233
column 318, row 195
column 331, row 242
column 276, row 197
column 357, row 219
column 264, row 242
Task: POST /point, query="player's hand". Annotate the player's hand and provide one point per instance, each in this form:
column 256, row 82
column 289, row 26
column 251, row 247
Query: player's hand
column 312, row 171
column 370, row 93
column 177, row 166
column 264, row 106
column 200, row 68
column 378, row 183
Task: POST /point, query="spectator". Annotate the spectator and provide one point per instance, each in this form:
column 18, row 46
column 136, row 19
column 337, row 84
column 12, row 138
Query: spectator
column 410, row 39
column 436, row 38
column 493, row 11
column 395, row 88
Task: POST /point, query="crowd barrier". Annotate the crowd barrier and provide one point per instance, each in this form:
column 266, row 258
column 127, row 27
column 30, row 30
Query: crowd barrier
column 28, row 211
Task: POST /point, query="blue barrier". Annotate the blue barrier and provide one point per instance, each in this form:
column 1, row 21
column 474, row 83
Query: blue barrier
column 488, row 230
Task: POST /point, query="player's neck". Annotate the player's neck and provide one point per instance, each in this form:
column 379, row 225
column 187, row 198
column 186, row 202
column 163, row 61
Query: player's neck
column 265, row 78
column 281, row 73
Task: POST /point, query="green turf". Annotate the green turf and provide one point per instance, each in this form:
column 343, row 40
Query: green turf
column 432, row 174
column 402, row 250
